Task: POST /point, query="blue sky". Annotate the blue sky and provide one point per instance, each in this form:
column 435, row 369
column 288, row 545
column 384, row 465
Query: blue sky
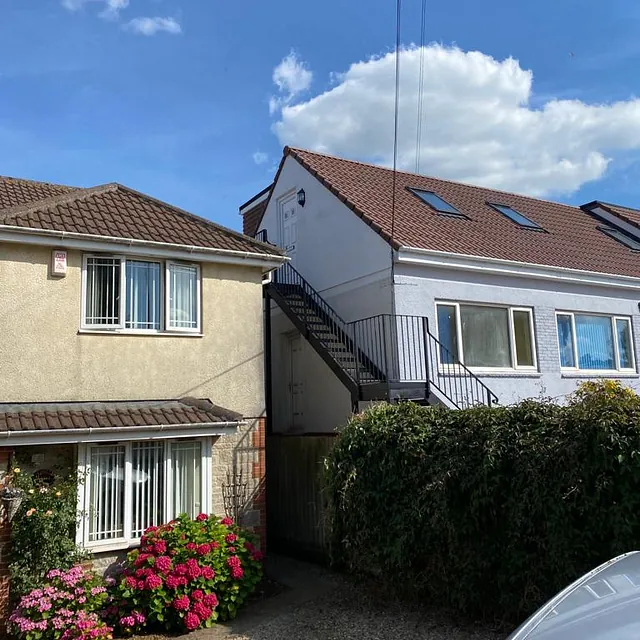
column 90, row 95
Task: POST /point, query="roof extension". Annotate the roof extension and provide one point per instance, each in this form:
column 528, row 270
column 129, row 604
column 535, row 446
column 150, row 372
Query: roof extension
column 571, row 240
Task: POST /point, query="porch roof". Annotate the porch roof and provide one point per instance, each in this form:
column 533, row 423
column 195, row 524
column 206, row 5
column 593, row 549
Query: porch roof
column 29, row 423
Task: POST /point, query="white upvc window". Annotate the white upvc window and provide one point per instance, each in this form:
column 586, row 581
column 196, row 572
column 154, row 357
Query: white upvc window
column 130, row 486
column 137, row 295
column 482, row 336
column 595, row 342
column 183, row 297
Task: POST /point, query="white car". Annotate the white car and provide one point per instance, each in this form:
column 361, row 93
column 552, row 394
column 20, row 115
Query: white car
column 602, row 605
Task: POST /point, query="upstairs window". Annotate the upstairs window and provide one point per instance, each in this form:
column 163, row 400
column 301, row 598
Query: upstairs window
column 594, row 342
column 516, row 216
column 436, row 202
column 140, row 295
column 621, row 237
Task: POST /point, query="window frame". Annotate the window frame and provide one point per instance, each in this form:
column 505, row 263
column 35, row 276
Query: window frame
column 164, row 292
column 167, row 302
column 455, row 213
column 616, row 348
column 443, row 366
column 85, row 265
column 128, row 540
column 533, row 226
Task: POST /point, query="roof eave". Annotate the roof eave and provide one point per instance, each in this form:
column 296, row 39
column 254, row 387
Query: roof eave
column 484, row 264
column 88, row 242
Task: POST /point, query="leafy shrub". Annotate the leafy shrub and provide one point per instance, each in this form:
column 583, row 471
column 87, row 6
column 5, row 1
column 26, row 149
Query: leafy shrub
column 67, row 606
column 186, row 575
column 43, row 530
column 489, row 510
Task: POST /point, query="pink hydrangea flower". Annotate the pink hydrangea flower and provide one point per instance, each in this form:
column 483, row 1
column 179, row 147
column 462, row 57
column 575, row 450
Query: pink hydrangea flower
column 202, row 611
column 191, row 621
column 231, row 538
column 210, row 600
column 153, row 581
column 201, row 517
column 226, row 521
column 208, row 573
column 163, row 563
column 203, row 549
column 197, row 595
column 160, row 547
column 182, row 603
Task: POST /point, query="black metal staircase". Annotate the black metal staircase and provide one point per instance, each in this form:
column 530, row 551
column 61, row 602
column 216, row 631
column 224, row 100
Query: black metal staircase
column 386, row 357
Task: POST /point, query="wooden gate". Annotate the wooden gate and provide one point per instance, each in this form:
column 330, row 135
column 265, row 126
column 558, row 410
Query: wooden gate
column 295, row 496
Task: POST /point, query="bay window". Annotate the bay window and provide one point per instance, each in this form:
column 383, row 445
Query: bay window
column 486, row 337
column 132, row 485
column 123, row 293
column 595, row 342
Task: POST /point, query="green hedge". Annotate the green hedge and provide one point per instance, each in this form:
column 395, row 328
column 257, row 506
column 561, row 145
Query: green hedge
column 490, row 511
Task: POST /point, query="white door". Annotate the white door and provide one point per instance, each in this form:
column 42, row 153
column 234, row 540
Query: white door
column 296, row 387
column 289, row 221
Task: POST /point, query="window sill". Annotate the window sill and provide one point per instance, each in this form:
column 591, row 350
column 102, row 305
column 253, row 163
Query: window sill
column 117, row 545
column 599, row 374
column 133, row 332
column 490, row 373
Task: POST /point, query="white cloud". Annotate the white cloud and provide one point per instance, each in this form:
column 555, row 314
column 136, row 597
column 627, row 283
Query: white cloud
column 477, row 121
column 111, row 9
column 260, row 157
column 291, row 77
column 151, row 26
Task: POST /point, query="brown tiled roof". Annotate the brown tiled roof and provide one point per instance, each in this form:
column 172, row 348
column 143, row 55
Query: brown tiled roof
column 16, row 191
column 632, row 216
column 96, row 415
column 571, row 239
column 113, row 210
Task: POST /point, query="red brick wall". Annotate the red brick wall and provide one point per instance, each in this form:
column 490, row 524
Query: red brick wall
column 5, row 533
column 260, row 475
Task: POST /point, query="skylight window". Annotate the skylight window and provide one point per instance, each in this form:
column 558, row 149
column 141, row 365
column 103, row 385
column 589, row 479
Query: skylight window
column 515, row 216
column 621, row 237
column 436, row 202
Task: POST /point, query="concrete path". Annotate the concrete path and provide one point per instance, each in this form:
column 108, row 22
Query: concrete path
column 319, row 605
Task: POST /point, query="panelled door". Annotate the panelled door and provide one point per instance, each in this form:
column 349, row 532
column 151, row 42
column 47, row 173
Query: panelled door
column 288, row 226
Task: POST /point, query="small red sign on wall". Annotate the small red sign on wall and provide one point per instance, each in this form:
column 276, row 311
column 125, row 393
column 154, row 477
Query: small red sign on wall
column 59, row 263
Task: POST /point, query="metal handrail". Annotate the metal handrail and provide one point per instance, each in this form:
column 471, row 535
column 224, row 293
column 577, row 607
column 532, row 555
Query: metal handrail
column 388, row 348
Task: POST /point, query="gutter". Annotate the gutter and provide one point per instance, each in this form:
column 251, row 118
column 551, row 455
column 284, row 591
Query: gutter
column 97, row 434
column 71, row 238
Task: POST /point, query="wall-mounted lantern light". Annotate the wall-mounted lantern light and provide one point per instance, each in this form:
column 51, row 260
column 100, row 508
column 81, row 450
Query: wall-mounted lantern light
column 302, row 197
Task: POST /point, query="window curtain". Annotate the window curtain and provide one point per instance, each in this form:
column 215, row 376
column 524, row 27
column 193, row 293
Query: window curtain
column 183, row 297
column 594, row 338
column 485, row 336
column 143, row 295
column 147, row 480
column 565, row 341
column 106, row 514
column 103, row 291
column 625, row 346
column 187, row 477
column 447, row 334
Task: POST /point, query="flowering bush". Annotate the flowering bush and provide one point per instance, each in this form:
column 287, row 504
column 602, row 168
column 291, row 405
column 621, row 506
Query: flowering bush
column 68, row 606
column 43, row 530
column 186, row 575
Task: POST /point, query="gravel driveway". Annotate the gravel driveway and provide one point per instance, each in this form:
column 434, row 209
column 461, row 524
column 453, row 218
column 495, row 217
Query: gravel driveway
column 318, row 605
